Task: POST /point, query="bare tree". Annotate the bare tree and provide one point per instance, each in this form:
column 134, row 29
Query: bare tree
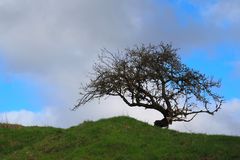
column 153, row 77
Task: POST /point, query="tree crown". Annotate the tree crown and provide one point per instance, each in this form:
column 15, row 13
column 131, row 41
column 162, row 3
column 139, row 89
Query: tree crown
column 153, row 77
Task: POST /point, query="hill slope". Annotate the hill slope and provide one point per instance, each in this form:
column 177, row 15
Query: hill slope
column 116, row 138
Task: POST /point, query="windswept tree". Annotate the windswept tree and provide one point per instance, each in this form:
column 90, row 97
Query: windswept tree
column 153, row 77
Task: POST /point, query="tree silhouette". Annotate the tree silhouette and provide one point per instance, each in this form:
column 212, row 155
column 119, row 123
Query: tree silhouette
column 153, row 77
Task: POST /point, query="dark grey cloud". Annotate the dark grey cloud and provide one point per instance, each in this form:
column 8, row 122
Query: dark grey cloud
column 54, row 42
column 43, row 36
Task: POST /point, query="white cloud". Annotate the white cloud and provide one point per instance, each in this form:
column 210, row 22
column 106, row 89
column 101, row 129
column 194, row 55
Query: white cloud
column 226, row 121
column 223, row 10
column 63, row 116
column 237, row 68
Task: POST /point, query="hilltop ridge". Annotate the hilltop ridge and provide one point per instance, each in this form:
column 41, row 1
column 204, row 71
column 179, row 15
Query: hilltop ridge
column 114, row 138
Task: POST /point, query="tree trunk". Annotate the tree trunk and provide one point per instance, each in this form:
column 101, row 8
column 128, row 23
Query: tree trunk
column 162, row 123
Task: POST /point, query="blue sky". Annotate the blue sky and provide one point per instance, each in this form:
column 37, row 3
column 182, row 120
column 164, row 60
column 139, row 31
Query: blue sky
column 220, row 66
column 17, row 94
column 48, row 47
column 20, row 93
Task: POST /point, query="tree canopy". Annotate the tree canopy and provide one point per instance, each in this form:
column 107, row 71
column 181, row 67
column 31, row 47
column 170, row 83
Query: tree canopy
column 153, row 76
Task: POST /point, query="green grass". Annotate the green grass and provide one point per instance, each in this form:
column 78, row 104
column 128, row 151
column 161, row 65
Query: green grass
column 120, row 138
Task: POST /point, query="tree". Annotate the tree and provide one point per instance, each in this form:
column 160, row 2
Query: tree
column 153, row 77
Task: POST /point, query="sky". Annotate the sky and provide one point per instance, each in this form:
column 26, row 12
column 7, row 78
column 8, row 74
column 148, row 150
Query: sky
column 48, row 47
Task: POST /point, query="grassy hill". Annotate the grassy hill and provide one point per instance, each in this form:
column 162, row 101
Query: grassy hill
column 116, row 138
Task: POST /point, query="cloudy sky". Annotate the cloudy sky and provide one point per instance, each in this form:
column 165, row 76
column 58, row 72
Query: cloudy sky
column 47, row 49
